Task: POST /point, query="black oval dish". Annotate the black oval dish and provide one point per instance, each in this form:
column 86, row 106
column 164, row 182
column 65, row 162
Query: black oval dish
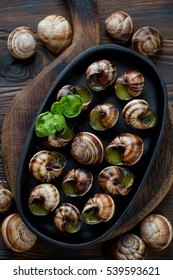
column 154, row 93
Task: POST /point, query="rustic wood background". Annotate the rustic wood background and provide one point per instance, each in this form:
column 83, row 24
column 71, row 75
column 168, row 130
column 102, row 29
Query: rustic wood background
column 15, row 75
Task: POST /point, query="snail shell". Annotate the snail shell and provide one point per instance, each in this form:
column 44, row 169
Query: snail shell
column 115, row 180
column 138, row 114
column 21, row 42
column 87, row 148
column 128, row 247
column 77, row 182
column 82, row 91
column 67, row 218
column 156, row 230
column 100, row 74
column 104, row 116
column 126, row 148
column 45, row 166
column 43, row 199
column 99, row 208
column 133, row 81
column 55, row 31
column 119, row 25
column 147, row 41
column 59, row 139
column 16, row 235
column 6, row 197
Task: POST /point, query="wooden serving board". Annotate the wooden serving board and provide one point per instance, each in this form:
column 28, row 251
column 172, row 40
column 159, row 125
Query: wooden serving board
column 26, row 104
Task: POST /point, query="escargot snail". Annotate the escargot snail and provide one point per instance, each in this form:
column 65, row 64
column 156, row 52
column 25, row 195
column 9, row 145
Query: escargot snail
column 45, row 166
column 126, row 148
column 87, row 148
column 156, row 230
column 82, row 91
column 119, row 25
column 115, row 180
column 103, row 116
column 77, row 182
column 55, row 31
column 128, row 247
column 21, row 42
column 43, row 199
column 16, row 235
column 67, row 218
column 129, row 85
column 100, row 74
column 6, row 197
column 138, row 114
column 147, row 41
column 99, row 208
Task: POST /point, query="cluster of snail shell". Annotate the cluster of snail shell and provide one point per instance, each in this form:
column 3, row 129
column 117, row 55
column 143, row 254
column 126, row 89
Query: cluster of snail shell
column 54, row 31
column 15, row 234
column 146, row 40
column 155, row 232
column 87, row 149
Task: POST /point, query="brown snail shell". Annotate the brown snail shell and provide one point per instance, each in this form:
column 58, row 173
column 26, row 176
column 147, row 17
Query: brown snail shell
column 67, row 218
column 77, row 182
column 126, row 148
column 104, row 116
column 133, row 82
column 147, row 41
column 55, row 31
column 87, row 148
column 156, row 230
column 6, row 197
column 21, row 42
column 99, row 208
column 128, row 247
column 16, row 236
column 43, row 199
column 100, row 74
column 59, row 139
column 45, row 166
column 138, row 114
column 115, row 180
column 119, row 25
column 82, row 91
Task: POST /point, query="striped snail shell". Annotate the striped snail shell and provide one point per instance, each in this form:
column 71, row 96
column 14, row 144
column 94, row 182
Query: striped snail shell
column 43, row 199
column 138, row 114
column 6, row 197
column 87, row 148
column 55, row 31
column 100, row 74
column 133, row 83
column 82, row 91
column 147, row 41
column 45, row 166
column 16, row 235
column 67, row 218
column 99, row 208
column 115, row 180
column 119, row 25
column 21, row 42
column 103, row 116
column 77, row 182
column 156, row 230
column 60, row 139
column 126, row 148
column 128, row 247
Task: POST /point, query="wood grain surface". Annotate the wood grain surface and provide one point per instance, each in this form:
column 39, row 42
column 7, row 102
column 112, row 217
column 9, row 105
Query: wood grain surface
column 16, row 78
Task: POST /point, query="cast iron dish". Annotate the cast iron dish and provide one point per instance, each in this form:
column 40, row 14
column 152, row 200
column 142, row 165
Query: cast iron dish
column 155, row 94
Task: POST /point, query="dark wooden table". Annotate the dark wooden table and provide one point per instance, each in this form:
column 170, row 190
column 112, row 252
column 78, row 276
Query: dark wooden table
column 15, row 75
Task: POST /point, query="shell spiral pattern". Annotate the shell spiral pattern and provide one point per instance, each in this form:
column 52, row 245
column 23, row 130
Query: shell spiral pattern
column 87, row 148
